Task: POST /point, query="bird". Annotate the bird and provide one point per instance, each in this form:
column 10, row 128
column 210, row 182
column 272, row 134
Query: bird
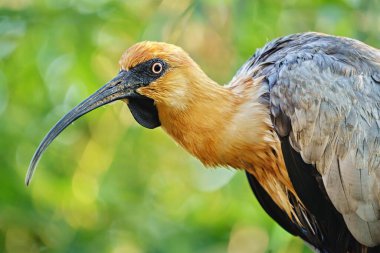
column 301, row 118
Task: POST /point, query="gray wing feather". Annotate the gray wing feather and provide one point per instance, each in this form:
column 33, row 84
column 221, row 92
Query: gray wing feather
column 328, row 89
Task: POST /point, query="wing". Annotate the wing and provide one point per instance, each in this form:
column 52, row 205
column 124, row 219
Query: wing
column 324, row 99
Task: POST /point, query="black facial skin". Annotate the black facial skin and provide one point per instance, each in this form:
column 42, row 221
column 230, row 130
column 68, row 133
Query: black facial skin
column 144, row 112
column 123, row 86
column 142, row 108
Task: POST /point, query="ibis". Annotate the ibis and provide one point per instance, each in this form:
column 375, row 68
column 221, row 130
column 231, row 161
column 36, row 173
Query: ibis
column 301, row 117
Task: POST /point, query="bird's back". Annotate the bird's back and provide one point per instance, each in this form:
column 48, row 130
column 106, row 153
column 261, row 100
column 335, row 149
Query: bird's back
column 323, row 93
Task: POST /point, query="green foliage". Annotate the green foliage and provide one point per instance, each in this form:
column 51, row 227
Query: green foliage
column 107, row 184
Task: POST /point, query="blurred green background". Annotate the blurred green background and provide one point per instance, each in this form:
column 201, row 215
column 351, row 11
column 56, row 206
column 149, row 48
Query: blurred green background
column 107, row 184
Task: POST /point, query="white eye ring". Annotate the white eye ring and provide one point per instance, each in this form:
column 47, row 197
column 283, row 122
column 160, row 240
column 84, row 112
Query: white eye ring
column 157, row 68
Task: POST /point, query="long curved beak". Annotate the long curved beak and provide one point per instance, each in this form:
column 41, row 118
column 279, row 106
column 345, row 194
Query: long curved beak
column 118, row 88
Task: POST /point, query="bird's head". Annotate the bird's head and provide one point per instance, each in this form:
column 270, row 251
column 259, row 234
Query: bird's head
column 152, row 75
column 158, row 74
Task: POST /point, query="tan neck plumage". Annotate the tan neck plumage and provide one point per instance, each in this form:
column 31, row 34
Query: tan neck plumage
column 227, row 126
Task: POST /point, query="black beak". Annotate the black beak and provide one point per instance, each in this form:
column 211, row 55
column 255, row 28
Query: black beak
column 122, row 86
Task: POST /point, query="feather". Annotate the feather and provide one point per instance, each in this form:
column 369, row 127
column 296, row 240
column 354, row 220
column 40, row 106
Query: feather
column 324, row 94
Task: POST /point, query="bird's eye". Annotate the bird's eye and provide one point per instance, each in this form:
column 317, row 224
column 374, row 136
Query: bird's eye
column 157, row 68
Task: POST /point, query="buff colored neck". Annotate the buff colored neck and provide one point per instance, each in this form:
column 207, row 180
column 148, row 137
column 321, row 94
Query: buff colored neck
column 227, row 126
column 199, row 127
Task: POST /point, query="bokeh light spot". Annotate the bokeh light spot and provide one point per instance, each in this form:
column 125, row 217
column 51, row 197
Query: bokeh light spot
column 248, row 240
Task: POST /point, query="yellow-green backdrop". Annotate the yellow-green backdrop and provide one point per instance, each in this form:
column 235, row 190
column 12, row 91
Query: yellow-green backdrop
column 107, row 184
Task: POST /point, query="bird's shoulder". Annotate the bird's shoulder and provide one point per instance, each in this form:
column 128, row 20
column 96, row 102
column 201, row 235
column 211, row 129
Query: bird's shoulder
column 296, row 48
